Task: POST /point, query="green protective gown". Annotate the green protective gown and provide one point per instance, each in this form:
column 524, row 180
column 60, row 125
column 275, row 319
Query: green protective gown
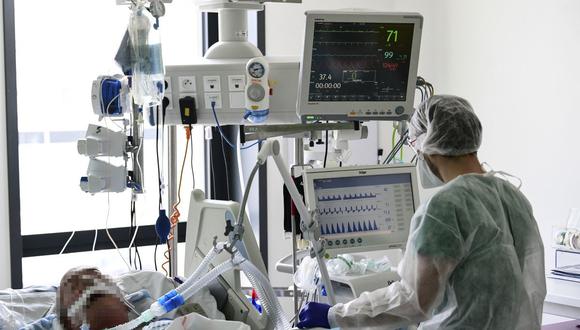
column 474, row 260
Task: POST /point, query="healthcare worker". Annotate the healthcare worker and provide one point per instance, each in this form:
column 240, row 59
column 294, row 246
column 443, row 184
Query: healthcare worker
column 474, row 258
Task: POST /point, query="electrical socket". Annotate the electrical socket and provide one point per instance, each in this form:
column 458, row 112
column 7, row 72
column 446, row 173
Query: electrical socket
column 182, row 95
column 187, row 84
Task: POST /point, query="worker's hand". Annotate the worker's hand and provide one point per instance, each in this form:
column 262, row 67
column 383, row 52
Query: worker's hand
column 314, row 315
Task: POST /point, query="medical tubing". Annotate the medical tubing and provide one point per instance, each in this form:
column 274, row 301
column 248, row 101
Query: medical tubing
column 397, row 147
column 257, row 278
column 326, row 279
column 173, row 299
column 207, row 278
column 67, row 241
column 265, row 300
column 223, row 135
column 240, row 166
column 246, row 195
column 266, row 294
column 145, row 317
column 201, row 269
column 270, row 304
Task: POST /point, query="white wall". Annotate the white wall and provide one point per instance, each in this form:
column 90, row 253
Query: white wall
column 515, row 61
column 4, row 224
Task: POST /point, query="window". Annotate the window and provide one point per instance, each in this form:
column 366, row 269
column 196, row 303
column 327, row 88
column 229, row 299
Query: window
column 61, row 47
column 51, row 60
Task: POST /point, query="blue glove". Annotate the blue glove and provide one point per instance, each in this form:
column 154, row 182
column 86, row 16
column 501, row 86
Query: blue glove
column 314, row 315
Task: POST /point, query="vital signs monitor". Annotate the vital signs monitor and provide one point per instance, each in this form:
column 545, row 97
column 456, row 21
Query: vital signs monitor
column 359, row 66
column 363, row 208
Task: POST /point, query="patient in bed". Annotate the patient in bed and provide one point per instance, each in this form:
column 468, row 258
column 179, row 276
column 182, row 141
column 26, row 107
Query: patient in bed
column 86, row 297
column 89, row 299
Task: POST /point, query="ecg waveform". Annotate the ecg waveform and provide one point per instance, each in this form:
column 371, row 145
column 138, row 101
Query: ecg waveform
column 350, row 227
column 347, row 209
column 349, row 31
column 346, row 43
column 360, row 62
column 360, row 196
column 331, row 198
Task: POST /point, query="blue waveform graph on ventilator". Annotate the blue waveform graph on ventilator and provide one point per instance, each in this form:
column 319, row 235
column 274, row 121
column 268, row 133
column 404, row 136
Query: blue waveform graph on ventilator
column 348, row 209
column 368, row 205
column 351, row 227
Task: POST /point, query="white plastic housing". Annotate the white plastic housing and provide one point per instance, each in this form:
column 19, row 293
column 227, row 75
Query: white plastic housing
column 233, row 36
column 260, row 84
column 101, row 141
column 104, row 177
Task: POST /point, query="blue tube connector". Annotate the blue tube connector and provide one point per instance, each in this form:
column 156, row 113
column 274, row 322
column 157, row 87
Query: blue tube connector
column 171, row 301
column 256, row 116
column 163, row 299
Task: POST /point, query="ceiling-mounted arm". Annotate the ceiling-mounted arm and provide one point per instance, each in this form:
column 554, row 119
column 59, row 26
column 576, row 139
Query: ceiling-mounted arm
column 209, row 5
column 233, row 27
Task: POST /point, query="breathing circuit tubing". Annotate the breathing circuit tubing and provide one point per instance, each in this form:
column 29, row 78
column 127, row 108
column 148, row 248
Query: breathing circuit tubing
column 196, row 282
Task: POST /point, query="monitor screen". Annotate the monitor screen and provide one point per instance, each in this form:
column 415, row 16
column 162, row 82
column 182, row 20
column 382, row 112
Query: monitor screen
column 373, row 203
column 360, row 61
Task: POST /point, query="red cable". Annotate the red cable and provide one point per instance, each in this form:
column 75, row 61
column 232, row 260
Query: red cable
column 174, row 219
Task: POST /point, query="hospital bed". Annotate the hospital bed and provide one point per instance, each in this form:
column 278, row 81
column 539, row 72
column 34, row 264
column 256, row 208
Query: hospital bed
column 34, row 307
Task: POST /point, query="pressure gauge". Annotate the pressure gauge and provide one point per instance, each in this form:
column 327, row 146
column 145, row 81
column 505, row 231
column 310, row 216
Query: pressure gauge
column 257, row 90
column 256, row 70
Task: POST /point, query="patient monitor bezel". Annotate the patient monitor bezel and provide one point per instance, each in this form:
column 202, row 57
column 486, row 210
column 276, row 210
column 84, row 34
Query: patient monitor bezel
column 378, row 240
column 356, row 110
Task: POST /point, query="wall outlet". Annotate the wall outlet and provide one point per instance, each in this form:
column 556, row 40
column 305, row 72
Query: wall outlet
column 182, row 95
column 211, row 83
column 187, row 84
column 213, row 97
column 237, row 83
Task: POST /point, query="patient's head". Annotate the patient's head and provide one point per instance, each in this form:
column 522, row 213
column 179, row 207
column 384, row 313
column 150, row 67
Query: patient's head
column 87, row 296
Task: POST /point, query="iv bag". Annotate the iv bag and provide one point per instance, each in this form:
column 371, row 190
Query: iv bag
column 148, row 72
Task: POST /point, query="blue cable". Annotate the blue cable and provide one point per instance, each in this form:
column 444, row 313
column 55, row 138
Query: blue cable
column 233, row 146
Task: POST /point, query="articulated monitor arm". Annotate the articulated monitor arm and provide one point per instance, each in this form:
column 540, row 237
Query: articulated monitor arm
column 309, row 227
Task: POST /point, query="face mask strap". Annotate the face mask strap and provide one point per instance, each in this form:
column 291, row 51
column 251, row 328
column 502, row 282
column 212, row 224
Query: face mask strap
column 486, row 167
column 504, row 175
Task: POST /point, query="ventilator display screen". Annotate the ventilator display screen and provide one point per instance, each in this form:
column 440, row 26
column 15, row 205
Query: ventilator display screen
column 364, row 204
column 360, row 61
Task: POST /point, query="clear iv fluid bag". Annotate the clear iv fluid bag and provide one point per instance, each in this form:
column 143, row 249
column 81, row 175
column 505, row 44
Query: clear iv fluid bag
column 148, row 76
